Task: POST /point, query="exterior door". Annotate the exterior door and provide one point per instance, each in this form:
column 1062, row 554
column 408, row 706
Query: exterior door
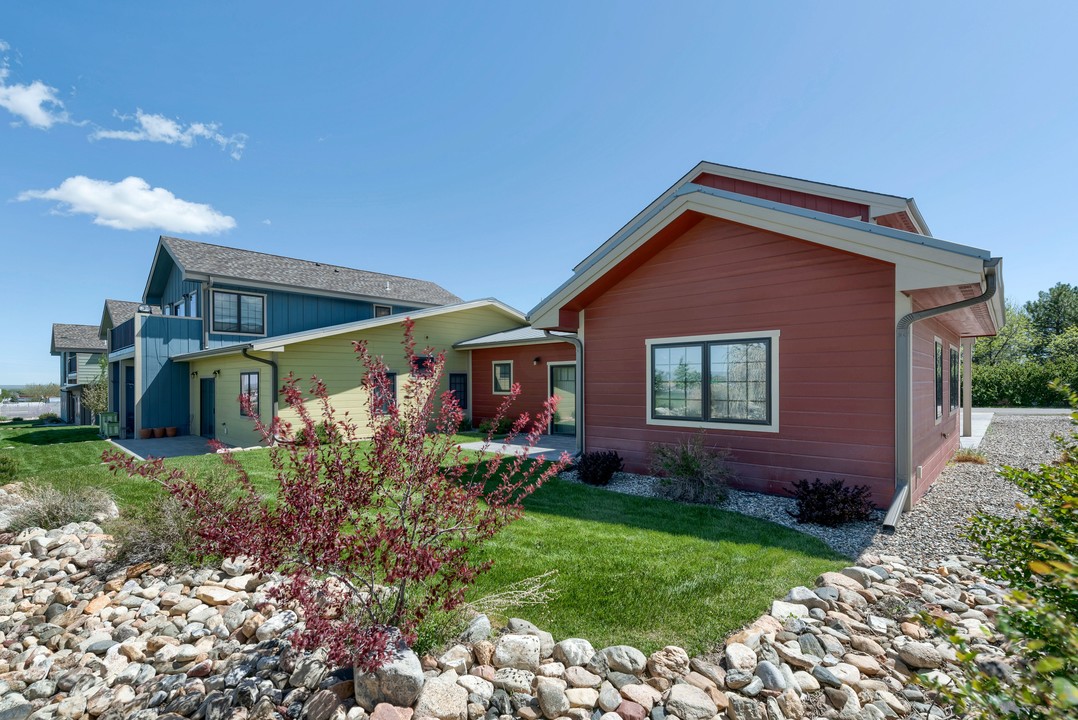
column 207, row 412
column 563, row 386
column 129, row 401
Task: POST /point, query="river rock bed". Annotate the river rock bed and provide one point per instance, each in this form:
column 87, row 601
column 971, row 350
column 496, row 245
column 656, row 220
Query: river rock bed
column 79, row 640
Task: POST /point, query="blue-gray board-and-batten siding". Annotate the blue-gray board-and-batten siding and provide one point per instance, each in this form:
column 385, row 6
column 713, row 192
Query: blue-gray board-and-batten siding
column 166, row 385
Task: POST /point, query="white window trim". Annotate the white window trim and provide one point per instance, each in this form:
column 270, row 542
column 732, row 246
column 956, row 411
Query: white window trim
column 265, row 313
column 374, row 310
column 494, row 376
column 938, row 342
column 772, row 427
column 958, row 406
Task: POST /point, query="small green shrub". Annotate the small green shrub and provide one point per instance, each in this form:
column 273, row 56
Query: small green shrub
column 17, row 419
column 323, row 431
column 596, row 468
column 490, row 426
column 49, row 418
column 50, row 508
column 9, row 469
column 689, row 471
column 831, row 503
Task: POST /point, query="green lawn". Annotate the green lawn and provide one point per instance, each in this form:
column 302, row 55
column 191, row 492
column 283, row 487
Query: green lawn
column 629, row 570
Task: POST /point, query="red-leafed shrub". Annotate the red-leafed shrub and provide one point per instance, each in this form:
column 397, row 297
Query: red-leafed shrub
column 370, row 537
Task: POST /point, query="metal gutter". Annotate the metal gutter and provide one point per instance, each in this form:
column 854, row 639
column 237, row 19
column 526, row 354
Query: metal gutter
column 904, row 388
column 579, row 400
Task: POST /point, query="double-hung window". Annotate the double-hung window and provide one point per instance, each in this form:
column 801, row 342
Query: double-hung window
column 458, row 385
column 239, row 313
column 719, row 381
column 503, row 377
column 249, row 391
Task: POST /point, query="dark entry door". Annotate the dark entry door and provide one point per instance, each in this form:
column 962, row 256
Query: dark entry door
column 563, row 385
column 207, row 408
column 129, row 400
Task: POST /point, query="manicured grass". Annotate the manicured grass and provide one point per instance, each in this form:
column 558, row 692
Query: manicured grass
column 629, row 570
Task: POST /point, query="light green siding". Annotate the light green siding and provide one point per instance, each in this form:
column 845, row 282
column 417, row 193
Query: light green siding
column 87, row 368
column 333, row 360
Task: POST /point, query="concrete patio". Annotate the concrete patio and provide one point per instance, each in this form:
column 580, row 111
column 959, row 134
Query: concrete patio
column 166, row 447
column 550, row 447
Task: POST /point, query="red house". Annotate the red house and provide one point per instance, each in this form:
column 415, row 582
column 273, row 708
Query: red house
column 813, row 330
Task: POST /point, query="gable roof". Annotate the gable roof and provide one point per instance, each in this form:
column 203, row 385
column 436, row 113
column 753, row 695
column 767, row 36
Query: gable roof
column 272, row 344
column 75, row 338
column 921, row 261
column 200, row 261
column 117, row 312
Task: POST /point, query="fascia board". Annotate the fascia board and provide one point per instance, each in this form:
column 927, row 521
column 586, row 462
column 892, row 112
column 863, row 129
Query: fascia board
column 882, row 203
column 918, row 264
column 267, row 344
column 153, row 266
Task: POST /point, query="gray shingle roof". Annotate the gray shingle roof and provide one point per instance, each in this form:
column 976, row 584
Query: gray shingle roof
column 123, row 310
column 76, row 337
column 204, row 258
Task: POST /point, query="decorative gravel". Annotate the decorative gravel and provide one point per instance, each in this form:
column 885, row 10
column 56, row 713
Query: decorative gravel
column 934, row 527
column 932, row 530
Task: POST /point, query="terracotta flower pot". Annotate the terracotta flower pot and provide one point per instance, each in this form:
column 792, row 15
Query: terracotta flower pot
column 171, row 431
column 145, row 434
column 159, row 432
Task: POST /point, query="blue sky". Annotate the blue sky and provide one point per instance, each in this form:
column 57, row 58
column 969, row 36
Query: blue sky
column 490, row 146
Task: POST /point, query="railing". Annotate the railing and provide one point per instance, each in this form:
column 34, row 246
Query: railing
column 123, row 336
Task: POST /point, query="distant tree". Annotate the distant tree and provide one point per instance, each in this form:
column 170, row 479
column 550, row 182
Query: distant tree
column 1014, row 343
column 7, row 394
column 37, row 391
column 1054, row 310
column 95, row 395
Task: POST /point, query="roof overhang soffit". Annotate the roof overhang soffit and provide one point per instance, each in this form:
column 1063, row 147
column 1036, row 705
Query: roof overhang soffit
column 918, row 263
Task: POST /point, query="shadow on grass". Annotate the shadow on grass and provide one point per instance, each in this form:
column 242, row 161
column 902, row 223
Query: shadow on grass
column 30, row 434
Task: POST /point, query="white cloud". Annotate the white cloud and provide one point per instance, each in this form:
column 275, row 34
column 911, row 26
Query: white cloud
column 267, row 221
column 35, row 104
column 132, row 204
column 158, row 128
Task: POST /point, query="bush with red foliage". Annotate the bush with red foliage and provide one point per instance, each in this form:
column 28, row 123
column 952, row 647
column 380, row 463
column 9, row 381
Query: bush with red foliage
column 369, row 537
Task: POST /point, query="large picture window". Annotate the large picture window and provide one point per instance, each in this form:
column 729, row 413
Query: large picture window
column 503, row 377
column 939, row 379
column 239, row 313
column 249, row 390
column 954, row 378
column 714, row 380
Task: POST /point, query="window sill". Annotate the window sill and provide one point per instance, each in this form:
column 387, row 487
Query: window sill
column 702, row 424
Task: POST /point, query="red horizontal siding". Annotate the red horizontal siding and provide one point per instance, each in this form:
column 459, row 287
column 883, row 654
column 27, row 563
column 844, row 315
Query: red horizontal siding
column 832, row 206
column 533, row 379
column 835, row 313
column 933, row 443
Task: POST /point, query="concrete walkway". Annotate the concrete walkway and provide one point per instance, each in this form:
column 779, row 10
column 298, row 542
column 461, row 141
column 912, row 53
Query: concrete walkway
column 979, row 422
column 179, row 446
column 550, row 447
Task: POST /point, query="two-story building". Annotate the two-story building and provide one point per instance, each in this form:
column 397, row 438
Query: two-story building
column 216, row 323
column 80, row 350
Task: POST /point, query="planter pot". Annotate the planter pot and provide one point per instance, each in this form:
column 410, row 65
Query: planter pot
column 171, row 431
column 159, row 432
column 145, row 434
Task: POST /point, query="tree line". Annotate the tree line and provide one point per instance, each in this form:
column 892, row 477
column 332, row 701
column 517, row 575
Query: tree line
column 1038, row 344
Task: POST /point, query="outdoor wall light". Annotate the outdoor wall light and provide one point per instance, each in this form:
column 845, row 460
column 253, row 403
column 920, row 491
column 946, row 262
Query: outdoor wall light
column 535, row 361
column 194, row 373
column 216, row 373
